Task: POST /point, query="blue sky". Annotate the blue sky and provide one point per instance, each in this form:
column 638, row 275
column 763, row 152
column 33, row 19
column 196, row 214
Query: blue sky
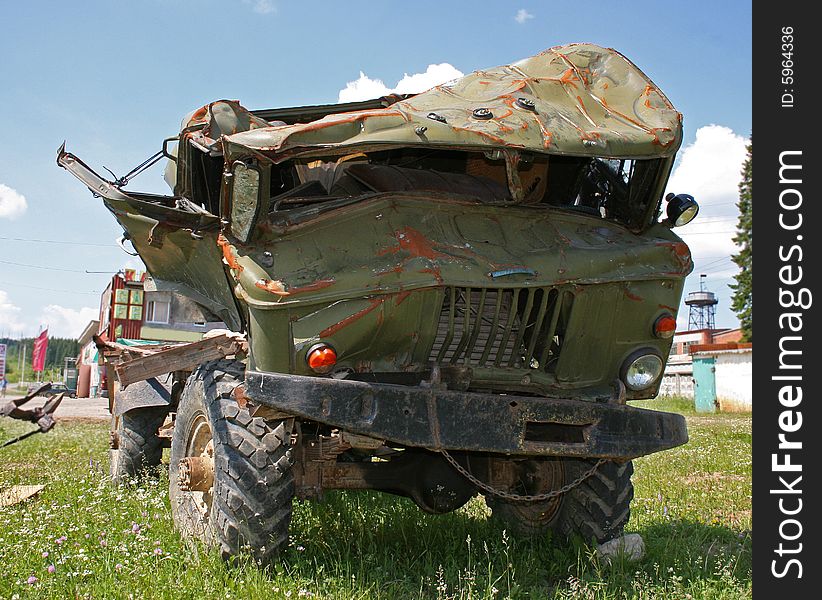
column 115, row 77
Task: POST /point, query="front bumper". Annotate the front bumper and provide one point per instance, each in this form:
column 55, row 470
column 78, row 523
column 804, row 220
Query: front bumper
column 437, row 419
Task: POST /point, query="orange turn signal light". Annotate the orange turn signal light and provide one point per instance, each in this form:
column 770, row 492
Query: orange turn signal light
column 665, row 326
column 321, row 358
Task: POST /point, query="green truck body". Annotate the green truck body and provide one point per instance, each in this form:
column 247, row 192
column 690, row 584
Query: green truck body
column 485, row 262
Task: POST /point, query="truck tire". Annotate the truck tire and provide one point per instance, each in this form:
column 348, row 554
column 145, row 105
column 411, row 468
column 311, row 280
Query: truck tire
column 247, row 508
column 597, row 509
column 138, row 447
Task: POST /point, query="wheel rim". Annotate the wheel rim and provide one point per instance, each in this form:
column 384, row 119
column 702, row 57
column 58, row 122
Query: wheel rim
column 539, row 478
column 200, row 444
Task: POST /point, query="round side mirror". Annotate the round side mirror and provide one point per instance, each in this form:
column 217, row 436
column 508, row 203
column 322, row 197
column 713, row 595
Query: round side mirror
column 682, row 209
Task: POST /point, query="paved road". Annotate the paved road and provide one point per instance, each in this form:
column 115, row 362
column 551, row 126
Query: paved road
column 73, row 408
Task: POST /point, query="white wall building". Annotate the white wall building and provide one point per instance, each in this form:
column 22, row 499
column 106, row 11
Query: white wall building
column 733, row 376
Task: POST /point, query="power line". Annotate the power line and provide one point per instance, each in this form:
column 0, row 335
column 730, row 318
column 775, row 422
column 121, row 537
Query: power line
column 717, row 219
column 722, row 269
column 713, row 264
column 34, row 287
column 718, row 269
column 66, row 242
column 17, row 264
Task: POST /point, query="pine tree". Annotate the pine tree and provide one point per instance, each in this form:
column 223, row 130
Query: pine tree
column 742, row 301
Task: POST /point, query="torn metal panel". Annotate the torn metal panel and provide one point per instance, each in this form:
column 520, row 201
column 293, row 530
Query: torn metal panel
column 175, row 237
column 580, row 99
column 134, row 364
column 185, row 357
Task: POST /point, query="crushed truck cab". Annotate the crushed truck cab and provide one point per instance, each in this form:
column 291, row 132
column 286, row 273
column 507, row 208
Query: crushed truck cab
column 442, row 294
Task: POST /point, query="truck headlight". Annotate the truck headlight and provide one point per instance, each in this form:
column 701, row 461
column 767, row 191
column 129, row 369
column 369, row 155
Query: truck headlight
column 641, row 369
column 682, row 209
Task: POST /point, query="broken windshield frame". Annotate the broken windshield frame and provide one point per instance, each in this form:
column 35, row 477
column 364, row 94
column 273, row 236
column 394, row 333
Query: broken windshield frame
column 626, row 191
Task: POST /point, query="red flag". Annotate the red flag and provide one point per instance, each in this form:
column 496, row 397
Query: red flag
column 38, row 354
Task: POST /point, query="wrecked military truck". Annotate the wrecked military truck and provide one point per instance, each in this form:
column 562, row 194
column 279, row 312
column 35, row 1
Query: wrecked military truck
column 442, row 295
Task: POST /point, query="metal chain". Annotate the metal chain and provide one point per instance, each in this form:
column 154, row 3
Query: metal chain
column 517, row 497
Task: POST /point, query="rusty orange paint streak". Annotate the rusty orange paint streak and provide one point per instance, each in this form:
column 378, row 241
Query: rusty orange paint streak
column 374, row 303
column 649, row 89
column 228, row 254
column 621, row 115
column 401, row 296
column 271, row 285
column 396, row 269
column 508, row 99
column 680, row 249
column 569, row 77
column 311, row 287
column 278, row 287
column 656, row 141
column 435, row 272
column 349, row 118
column 493, row 138
column 547, row 136
column 521, row 83
column 584, row 112
column 199, row 116
column 633, row 297
column 579, row 74
column 413, row 242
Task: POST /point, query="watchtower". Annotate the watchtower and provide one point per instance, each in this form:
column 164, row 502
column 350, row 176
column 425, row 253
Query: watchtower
column 702, row 307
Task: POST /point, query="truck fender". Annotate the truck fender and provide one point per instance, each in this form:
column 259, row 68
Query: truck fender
column 142, row 394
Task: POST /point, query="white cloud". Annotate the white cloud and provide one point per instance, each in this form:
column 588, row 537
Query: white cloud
column 366, row 88
column 262, row 7
column 710, row 170
column 12, row 203
column 67, row 322
column 10, row 323
column 522, row 16
column 61, row 321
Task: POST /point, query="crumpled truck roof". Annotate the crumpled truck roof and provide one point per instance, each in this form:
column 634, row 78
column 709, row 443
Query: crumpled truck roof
column 579, row 99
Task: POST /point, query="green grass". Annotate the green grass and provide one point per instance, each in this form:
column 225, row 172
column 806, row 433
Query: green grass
column 692, row 506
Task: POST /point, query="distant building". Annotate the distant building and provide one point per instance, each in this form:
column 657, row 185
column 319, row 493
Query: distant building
column 131, row 313
column 88, row 372
column 723, row 377
column 128, row 311
column 678, row 379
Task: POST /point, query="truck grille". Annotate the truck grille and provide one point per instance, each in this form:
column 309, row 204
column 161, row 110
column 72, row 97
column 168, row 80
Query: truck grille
column 521, row 328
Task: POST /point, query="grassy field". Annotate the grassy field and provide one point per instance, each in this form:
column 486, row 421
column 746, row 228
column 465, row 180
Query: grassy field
column 81, row 538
